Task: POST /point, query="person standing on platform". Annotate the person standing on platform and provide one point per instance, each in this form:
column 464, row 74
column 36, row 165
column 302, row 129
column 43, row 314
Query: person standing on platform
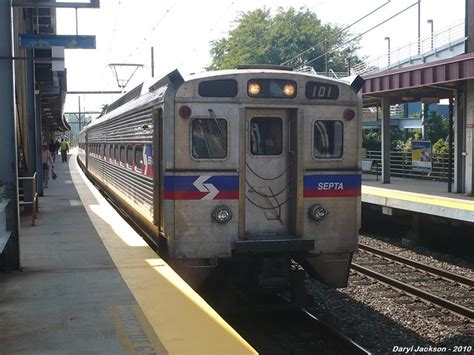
column 57, row 145
column 64, row 150
column 47, row 163
column 52, row 150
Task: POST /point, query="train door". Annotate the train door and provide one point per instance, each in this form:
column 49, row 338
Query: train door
column 268, row 173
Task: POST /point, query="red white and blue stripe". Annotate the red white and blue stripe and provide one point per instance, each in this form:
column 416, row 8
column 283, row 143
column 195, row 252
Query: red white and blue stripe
column 201, row 187
column 346, row 185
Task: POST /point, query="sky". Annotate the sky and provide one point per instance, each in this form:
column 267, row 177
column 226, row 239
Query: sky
column 181, row 31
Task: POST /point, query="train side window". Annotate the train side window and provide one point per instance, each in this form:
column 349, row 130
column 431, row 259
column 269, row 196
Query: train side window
column 122, row 154
column 129, row 155
column 266, row 136
column 138, row 157
column 328, row 139
column 209, row 138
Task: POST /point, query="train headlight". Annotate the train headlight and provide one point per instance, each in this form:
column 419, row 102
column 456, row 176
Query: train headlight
column 317, row 212
column 253, row 88
column 222, row 214
column 289, row 90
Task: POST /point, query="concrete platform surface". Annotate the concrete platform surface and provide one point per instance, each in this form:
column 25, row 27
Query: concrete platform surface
column 91, row 285
column 420, row 196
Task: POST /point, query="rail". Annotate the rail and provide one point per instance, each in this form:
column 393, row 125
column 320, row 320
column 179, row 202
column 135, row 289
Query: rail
column 401, row 165
column 34, row 195
column 415, row 291
column 350, row 345
column 430, row 269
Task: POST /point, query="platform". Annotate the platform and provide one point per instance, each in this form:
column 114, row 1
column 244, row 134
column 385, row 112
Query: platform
column 419, row 196
column 90, row 284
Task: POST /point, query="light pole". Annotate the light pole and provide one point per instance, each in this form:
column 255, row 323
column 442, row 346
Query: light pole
column 388, row 51
column 326, row 56
column 419, row 26
column 432, row 34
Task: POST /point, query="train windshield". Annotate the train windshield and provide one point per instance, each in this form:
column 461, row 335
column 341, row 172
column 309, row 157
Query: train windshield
column 209, row 138
column 266, row 136
column 328, row 139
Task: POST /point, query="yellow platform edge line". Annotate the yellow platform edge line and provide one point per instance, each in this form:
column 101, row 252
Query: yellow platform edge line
column 182, row 321
column 420, row 198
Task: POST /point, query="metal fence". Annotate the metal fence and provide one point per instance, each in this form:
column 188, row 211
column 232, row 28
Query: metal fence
column 401, row 165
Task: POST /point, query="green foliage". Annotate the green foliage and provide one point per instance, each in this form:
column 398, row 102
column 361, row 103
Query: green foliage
column 371, row 140
column 437, row 127
column 261, row 38
column 415, row 115
column 441, row 146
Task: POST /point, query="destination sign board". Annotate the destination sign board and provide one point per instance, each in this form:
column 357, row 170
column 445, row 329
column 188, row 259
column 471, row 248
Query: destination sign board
column 48, row 41
column 321, row 91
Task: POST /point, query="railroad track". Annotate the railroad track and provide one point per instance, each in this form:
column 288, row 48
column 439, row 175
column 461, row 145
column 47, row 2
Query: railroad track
column 290, row 331
column 345, row 342
column 303, row 318
column 444, row 289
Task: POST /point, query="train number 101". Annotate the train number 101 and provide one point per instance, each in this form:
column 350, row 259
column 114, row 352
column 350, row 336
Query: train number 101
column 321, row 91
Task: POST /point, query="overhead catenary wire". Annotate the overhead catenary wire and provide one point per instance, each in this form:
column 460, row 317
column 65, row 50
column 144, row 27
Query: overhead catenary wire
column 114, row 28
column 336, row 34
column 361, row 34
column 153, row 29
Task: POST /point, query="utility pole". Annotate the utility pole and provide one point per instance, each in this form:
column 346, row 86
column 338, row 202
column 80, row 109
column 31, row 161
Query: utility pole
column 79, row 118
column 326, row 56
column 388, row 51
column 432, row 33
column 419, row 26
column 152, row 62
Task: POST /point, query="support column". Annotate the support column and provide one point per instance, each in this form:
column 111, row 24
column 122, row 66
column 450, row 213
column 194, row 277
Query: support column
column 31, row 145
column 459, row 141
column 469, row 113
column 450, row 143
column 386, row 141
column 9, row 259
column 39, row 141
column 469, row 177
column 425, row 110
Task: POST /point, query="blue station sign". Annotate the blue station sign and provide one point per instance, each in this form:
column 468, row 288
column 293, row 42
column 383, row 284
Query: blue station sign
column 48, row 41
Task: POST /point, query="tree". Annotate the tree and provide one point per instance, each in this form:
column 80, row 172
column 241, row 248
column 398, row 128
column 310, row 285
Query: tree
column 261, row 38
column 441, row 146
column 437, row 126
column 371, row 139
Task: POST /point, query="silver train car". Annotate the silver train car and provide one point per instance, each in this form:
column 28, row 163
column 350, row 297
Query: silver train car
column 254, row 168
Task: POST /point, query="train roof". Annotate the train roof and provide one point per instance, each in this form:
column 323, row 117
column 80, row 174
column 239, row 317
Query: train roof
column 154, row 90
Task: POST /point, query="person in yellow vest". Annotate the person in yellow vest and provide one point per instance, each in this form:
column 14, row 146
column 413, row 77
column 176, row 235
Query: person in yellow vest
column 64, row 150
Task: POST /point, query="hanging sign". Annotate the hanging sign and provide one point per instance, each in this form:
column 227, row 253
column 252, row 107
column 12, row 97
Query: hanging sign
column 48, row 41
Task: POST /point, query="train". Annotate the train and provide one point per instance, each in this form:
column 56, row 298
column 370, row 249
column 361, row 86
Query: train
column 253, row 169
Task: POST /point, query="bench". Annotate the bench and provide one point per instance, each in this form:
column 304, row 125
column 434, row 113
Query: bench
column 370, row 166
column 4, row 233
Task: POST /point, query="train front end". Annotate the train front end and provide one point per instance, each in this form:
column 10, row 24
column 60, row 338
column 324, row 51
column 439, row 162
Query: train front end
column 264, row 171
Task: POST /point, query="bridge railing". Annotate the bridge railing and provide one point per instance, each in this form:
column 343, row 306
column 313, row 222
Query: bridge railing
column 401, row 165
column 409, row 52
